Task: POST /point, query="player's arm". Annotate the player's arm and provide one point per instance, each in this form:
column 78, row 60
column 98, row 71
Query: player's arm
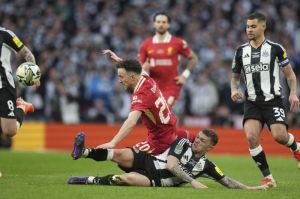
column 236, row 94
column 174, row 167
column 27, row 55
column 234, row 184
column 192, row 60
column 292, row 82
column 125, row 129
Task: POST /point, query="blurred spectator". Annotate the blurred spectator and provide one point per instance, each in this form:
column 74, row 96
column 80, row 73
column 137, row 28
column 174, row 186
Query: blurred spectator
column 67, row 36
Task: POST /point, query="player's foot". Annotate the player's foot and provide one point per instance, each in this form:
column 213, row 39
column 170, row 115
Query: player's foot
column 26, row 106
column 79, row 180
column 270, row 181
column 78, row 147
column 297, row 154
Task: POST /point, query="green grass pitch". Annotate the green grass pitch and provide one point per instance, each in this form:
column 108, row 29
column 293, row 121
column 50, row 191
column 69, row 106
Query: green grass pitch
column 43, row 175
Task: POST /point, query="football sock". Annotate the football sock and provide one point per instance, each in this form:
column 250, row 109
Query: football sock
column 259, row 157
column 100, row 154
column 19, row 115
column 105, row 180
column 292, row 143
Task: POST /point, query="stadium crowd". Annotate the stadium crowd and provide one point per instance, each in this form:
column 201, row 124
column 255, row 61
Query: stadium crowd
column 79, row 84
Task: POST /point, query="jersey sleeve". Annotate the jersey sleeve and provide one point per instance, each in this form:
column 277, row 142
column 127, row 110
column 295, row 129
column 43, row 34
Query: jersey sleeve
column 142, row 56
column 184, row 49
column 237, row 64
column 12, row 40
column 213, row 171
column 179, row 147
column 138, row 103
column 282, row 56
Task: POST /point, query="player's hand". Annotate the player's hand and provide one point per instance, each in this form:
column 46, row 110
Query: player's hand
column 114, row 57
column 236, row 95
column 198, row 185
column 107, row 145
column 180, row 80
column 294, row 102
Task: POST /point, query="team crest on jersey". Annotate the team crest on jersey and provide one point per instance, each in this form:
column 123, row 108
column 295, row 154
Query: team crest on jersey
column 178, row 149
column 150, row 51
column 265, row 54
column 170, row 51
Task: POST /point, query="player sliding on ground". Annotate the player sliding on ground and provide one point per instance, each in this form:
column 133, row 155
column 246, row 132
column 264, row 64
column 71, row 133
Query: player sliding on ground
column 182, row 163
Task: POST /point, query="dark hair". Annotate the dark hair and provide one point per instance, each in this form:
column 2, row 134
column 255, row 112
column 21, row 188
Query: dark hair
column 257, row 15
column 162, row 13
column 212, row 135
column 130, row 65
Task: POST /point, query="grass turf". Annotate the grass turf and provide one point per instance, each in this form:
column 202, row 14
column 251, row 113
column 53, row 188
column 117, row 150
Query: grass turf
column 43, row 175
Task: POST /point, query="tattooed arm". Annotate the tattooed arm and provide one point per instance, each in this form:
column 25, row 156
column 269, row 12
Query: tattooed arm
column 233, row 184
column 173, row 166
column 26, row 54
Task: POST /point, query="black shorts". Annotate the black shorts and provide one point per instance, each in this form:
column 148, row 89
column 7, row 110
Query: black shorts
column 7, row 102
column 269, row 112
column 144, row 165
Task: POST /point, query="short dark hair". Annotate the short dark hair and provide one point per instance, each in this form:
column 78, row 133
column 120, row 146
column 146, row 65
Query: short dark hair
column 257, row 15
column 162, row 13
column 212, row 135
column 131, row 65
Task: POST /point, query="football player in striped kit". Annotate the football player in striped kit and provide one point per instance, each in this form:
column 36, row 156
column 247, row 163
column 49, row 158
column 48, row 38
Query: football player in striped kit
column 12, row 109
column 260, row 61
column 182, row 163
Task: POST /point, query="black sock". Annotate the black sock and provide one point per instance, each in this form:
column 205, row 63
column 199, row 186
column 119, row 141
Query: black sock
column 293, row 146
column 19, row 115
column 261, row 162
column 97, row 154
column 105, row 180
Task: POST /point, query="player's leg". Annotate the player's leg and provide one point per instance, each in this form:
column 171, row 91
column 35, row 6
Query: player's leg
column 132, row 179
column 276, row 119
column 253, row 124
column 186, row 134
column 128, row 179
column 12, row 112
column 123, row 157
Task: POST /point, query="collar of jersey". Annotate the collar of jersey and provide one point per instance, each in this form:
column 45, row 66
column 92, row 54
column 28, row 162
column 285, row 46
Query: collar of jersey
column 167, row 38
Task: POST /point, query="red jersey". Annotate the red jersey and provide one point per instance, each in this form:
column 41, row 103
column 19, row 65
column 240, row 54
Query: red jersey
column 164, row 59
column 156, row 115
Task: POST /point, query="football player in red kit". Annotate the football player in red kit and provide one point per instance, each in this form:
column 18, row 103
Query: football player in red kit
column 148, row 104
column 160, row 57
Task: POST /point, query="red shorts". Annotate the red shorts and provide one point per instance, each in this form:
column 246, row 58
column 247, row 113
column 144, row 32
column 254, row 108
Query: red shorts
column 147, row 147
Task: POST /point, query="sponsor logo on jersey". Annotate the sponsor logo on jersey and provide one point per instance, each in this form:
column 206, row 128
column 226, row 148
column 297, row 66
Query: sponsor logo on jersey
column 279, row 119
column 135, row 100
column 255, row 54
column 284, row 55
column 252, row 68
column 12, row 114
column 17, row 41
column 246, row 56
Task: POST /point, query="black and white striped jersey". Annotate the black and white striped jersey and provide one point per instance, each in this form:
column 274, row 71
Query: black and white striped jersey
column 9, row 43
column 260, row 69
column 195, row 167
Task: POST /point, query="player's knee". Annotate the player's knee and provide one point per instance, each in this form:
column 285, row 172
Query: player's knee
column 252, row 139
column 9, row 131
column 281, row 138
